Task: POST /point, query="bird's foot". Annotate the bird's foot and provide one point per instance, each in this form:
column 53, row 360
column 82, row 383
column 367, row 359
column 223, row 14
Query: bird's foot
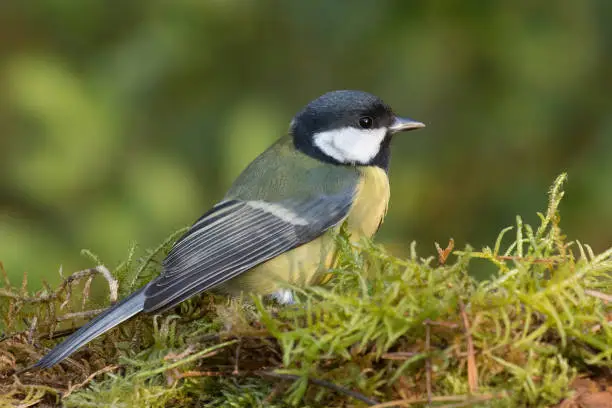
column 284, row 296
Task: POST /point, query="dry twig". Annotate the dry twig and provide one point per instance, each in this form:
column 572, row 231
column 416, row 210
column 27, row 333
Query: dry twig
column 79, row 315
column 428, row 361
column 471, row 358
column 113, row 286
column 463, row 400
column 399, row 355
column 321, row 383
column 599, row 295
column 80, row 385
column 444, row 253
column 237, row 356
column 32, row 329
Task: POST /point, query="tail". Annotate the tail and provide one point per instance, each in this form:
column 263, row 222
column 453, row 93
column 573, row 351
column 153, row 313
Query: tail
column 103, row 322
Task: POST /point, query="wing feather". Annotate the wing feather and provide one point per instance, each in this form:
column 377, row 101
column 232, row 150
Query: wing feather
column 236, row 236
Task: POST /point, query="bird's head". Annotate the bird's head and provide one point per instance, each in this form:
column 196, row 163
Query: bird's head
column 348, row 127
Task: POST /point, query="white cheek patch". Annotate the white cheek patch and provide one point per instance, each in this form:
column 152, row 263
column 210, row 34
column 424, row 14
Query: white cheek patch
column 351, row 145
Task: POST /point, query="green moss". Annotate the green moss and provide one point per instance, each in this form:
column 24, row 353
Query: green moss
column 383, row 329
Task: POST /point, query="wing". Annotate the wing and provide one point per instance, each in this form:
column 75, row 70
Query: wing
column 235, row 236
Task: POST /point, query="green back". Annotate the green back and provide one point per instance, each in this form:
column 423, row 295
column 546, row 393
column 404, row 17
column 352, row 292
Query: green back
column 282, row 172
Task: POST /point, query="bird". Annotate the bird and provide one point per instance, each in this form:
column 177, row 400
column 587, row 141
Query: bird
column 276, row 224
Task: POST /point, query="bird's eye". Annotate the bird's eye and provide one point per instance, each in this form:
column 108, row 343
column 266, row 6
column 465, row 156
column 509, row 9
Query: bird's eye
column 365, row 122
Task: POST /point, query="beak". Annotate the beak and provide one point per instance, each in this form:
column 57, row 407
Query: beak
column 404, row 124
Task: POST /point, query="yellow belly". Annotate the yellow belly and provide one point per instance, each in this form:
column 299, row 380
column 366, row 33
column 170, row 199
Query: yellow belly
column 308, row 263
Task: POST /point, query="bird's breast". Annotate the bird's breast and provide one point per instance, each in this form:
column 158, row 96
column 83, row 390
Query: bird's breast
column 371, row 202
column 366, row 214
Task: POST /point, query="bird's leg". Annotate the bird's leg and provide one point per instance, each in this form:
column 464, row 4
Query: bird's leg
column 283, row 296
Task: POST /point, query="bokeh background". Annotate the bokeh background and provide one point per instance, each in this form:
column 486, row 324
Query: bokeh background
column 123, row 122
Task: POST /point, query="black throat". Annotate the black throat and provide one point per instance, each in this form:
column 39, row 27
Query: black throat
column 384, row 155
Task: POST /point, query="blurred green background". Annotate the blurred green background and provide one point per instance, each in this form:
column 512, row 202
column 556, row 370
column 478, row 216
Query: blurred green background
column 123, row 122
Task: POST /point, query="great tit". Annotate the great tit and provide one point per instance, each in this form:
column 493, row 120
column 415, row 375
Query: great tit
column 276, row 223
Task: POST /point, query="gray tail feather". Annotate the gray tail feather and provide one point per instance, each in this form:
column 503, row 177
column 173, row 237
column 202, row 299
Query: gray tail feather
column 103, row 322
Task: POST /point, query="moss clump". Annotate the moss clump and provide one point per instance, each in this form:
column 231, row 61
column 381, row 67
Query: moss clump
column 413, row 331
